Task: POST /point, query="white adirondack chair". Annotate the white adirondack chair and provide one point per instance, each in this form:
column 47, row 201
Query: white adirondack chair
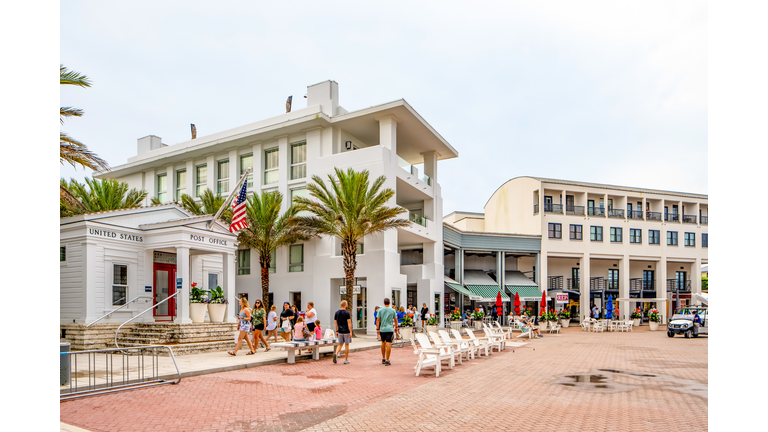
column 430, row 355
column 495, row 340
column 459, row 346
column 480, row 343
column 473, row 350
column 438, row 342
column 507, row 332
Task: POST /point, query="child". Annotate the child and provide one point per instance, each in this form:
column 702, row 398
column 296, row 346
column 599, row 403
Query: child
column 318, row 330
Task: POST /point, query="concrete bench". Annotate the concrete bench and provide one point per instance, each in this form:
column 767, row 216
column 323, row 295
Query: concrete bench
column 315, row 345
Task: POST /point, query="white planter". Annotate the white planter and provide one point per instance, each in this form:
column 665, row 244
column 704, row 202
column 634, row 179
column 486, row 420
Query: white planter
column 406, row 333
column 456, row 325
column 216, row 312
column 431, row 328
column 197, row 312
column 542, row 325
column 478, row 325
column 636, row 322
column 653, row 325
column 565, row 322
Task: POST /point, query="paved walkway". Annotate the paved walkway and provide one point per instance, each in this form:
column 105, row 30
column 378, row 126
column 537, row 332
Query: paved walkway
column 573, row 381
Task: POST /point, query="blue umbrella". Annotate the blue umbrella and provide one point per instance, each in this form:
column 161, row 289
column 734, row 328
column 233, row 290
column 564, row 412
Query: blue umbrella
column 609, row 308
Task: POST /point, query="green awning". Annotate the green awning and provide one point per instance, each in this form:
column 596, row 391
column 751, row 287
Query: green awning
column 527, row 293
column 459, row 288
column 486, row 293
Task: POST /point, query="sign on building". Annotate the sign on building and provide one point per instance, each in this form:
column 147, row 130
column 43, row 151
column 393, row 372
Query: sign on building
column 562, row 298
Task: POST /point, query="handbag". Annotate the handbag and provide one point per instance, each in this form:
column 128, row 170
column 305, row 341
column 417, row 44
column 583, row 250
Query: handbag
column 286, row 325
column 305, row 333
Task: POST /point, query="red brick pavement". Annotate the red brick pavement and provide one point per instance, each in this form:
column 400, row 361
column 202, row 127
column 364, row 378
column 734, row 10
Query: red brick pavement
column 508, row 391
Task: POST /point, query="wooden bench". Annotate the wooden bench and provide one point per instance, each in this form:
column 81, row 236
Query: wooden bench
column 315, row 345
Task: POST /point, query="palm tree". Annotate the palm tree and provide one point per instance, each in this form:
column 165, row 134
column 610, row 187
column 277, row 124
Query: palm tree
column 98, row 195
column 351, row 211
column 209, row 204
column 268, row 230
column 70, row 150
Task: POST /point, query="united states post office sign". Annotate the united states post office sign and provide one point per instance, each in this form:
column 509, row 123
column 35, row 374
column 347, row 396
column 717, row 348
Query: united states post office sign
column 164, row 258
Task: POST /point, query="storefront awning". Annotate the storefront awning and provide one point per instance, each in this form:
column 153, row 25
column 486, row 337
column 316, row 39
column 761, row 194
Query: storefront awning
column 486, row 293
column 459, row 288
column 526, row 293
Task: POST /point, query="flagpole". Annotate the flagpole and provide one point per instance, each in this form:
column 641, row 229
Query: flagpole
column 235, row 191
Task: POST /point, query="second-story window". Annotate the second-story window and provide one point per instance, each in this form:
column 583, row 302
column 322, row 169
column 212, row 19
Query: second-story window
column 705, row 240
column 162, row 188
column 635, row 235
column 273, row 262
column 672, row 238
column 244, row 262
column 246, row 162
column 616, row 235
column 181, row 183
column 555, row 230
column 690, row 239
column 222, row 184
column 201, row 180
column 298, row 160
column 575, row 232
column 596, row 233
column 654, row 237
column 271, row 164
column 296, row 258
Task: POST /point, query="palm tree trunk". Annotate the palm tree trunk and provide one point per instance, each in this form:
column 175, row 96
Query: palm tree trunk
column 349, row 250
column 264, row 264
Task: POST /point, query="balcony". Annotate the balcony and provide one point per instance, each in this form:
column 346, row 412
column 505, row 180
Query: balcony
column 637, row 284
column 616, row 213
column 598, row 284
column 553, row 208
column 554, row 282
column 535, row 209
column 689, row 219
column 705, row 220
column 635, row 214
column 672, row 217
column 674, row 285
column 572, row 284
column 656, row 216
column 574, row 210
column 402, row 163
column 419, row 220
column 595, row 211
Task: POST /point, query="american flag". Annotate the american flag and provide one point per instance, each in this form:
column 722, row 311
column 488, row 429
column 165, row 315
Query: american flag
column 238, row 214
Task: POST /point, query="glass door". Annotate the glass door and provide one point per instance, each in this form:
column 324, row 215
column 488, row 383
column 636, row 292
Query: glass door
column 647, row 279
column 613, row 279
column 361, row 308
column 164, row 287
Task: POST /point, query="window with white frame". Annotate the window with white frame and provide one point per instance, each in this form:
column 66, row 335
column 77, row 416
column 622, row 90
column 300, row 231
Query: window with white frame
column 244, row 262
column 271, row 166
column 119, row 284
column 298, row 160
column 222, row 182
column 296, row 261
column 246, row 162
column 202, row 180
column 162, row 188
column 181, row 183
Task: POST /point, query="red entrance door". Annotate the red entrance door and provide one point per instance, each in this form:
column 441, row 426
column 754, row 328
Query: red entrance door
column 164, row 286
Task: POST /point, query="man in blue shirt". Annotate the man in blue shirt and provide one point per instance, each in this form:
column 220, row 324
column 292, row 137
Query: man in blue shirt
column 386, row 323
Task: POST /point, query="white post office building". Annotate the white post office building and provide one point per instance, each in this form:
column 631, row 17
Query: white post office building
column 120, row 253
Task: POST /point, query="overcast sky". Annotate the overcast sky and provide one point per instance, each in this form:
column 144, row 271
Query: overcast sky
column 603, row 92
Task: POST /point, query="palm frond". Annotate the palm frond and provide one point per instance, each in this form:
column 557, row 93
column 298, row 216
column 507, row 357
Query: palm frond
column 69, row 112
column 68, row 77
column 76, row 153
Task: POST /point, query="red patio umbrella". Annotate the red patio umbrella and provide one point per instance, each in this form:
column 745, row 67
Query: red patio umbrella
column 543, row 302
column 517, row 303
column 498, row 304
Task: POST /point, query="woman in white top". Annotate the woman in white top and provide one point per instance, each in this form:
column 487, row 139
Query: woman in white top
column 311, row 316
column 272, row 322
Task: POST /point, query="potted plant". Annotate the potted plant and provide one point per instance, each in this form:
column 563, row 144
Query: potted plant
column 432, row 323
column 543, row 321
column 565, row 318
column 217, row 307
column 197, row 303
column 552, row 317
column 654, row 319
column 636, row 316
column 477, row 315
column 456, row 319
column 406, row 327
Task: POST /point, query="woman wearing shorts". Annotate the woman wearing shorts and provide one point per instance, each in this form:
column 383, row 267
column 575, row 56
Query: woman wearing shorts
column 259, row 314
column 245, row 327
column 272, row 323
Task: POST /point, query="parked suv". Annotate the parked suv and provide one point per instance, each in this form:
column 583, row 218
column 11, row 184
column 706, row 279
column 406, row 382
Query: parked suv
column 682, row 322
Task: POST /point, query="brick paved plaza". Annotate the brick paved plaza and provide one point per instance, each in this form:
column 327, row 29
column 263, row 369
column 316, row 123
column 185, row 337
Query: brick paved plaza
column 570, row 382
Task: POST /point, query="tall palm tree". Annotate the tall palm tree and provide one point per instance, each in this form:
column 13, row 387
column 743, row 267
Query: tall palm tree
column 351, row 210
column 209, row 204
column 99, row 195
column 268, row 230
column 71, row 150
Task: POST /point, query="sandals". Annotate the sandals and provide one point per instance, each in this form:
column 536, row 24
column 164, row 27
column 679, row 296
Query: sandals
column 231, row 353
column 268, row 348
column 251, row 353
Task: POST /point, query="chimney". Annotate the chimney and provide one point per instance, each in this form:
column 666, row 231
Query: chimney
column 325, row 94
column 147, row 144
column 194, row 130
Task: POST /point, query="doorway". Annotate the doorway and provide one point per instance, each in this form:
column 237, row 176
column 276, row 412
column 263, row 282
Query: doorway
column 295, row 299
column 164, row 286
column 360, row 302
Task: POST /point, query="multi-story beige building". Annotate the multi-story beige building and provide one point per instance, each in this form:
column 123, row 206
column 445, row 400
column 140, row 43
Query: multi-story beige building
column 643, row 247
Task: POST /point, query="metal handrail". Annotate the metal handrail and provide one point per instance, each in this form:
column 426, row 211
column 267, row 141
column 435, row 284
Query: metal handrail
column 145, row 311
column 110, row 313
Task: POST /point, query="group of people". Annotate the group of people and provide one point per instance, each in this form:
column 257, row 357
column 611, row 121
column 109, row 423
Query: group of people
column 387, row 324
column 290, row 324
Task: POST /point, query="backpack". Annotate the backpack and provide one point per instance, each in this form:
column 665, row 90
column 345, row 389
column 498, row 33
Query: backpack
column 305, row 333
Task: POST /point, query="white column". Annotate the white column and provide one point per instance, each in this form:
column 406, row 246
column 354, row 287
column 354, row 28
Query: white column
column 661, row 288
column 91, row 255
column 212, row 175
column 190, row 178
column 624, row 287
column 284, row 162
column 430, row 165
column 149, row 186
column 171, row 182
column 182, row 298
column 696, row 277
column 228, row 283
column 388, row 136
column 584, row 291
